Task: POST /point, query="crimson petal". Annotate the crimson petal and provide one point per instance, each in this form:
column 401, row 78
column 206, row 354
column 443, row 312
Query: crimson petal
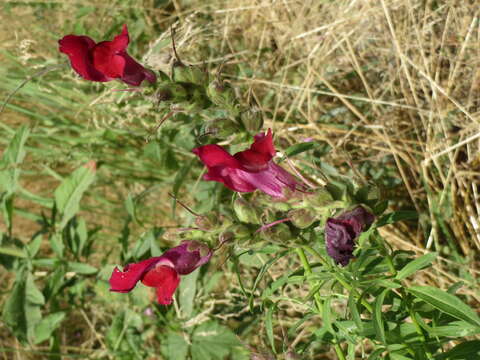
column 260, row 153
column 214, row 155
column 165, row 279
column 125, row 281
column 78, row 49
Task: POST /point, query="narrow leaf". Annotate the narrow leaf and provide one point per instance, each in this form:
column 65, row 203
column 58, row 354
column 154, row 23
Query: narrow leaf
column 299, row 148
column 11, row 158
column 352, row 305
column 445, row 302
column 416, row 265
column 269, row 326
column 82, row 268
column 377, row 317
column 70, row 191
column 467, row 350
column 396, row 216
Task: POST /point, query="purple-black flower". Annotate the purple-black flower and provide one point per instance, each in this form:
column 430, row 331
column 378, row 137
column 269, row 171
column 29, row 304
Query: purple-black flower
column 341, row 232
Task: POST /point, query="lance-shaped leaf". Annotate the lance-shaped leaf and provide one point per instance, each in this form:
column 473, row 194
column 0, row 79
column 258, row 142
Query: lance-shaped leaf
column 415, row 265
column 446, row 302
column 11, row 158
column 70, row 191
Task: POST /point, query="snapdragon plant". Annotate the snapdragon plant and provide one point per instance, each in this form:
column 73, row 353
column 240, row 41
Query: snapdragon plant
column 310, row 272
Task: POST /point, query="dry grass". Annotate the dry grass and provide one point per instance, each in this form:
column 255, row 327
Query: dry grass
column 403, row 77
column 391, row 83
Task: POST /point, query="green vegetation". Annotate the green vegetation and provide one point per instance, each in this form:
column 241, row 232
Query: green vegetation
column 372, row 103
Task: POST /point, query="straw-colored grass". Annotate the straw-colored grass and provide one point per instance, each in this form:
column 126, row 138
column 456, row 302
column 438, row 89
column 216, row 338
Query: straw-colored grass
column 392, row 86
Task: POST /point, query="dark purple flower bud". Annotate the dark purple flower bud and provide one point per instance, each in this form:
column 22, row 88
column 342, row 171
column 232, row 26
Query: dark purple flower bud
column 340, row 233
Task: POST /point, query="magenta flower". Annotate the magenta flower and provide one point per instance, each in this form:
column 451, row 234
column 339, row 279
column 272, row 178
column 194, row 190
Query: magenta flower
column 340, row 233
column 105, row 61
column 162, row 272
column 247, row 170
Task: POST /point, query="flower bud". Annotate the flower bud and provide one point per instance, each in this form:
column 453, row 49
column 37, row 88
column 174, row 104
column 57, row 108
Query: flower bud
column 222, row 128
column 189, row 74
column 205, row 222
column 252, row 120
column 198, row 98
column 302, row 218
column 340, row 233
column 321, row 198
column 245, row 212
column 222, row 95
column 240, row 233
column 279, row 233
column 171, row 92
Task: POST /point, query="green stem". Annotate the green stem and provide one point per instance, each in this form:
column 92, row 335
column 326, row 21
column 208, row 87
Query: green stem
column 318, row 299
column 417, row 327
column 388, row 257
column 393, row 271
column 308, row 271
column 341, row 280
column 339, row 351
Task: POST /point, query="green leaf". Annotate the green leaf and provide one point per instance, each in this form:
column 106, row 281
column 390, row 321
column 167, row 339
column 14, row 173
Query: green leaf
column 454, row 329
column 299, row 148
column 327, row 315
column 186, row 294
column 376, row 354
column 211, row 341
column 396, row 356
column 181, row 177
column 377, row 316
column 131, row 207
column 82, row 268
column 416, row 265
column 21, row 311
column 352, row 305
column 445, row 302
column 45, row 328
column 70, row 191
column 262, row 272
column 7, row 208
column 175, row 346
column 395, row 216
column 15, row 153
column 56, row 243
column 14, row 311
column 10, row 251
column 11, row 158
column 31, row 249
column 468, row 350
column 33, row 295
column 269, row 325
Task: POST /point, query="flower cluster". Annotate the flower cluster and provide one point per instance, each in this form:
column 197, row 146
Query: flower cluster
column 245, row 171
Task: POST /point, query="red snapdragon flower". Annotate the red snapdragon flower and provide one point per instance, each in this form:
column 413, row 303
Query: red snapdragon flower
column 162, row 272
column 247, row 170
column 105, row 61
